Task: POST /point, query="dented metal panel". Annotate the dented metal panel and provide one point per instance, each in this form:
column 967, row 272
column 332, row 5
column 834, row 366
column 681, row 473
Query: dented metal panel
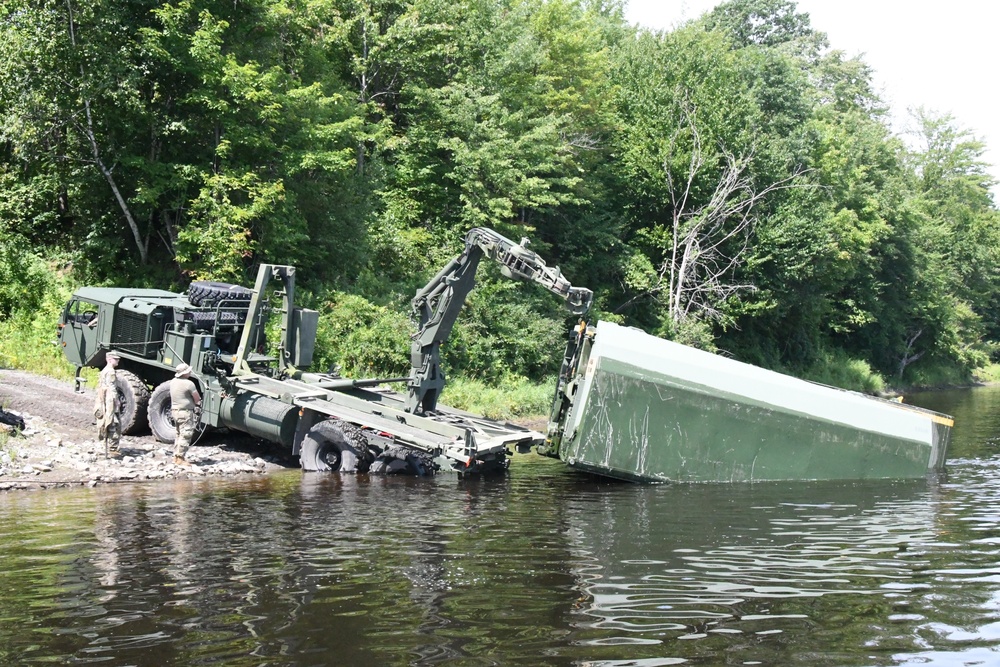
column 650, row 409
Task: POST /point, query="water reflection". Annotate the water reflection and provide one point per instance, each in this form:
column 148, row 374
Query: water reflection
column 760, row 561
column 544, row 567
column 977, row 419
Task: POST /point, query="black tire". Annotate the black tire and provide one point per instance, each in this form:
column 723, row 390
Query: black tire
column 202, row 320
column 422, row 465
column 205, row 320
column 207, row 293
column 390, row 466
column 161, row 420
column 133, row 399
column 328, row 447
column 396, row 460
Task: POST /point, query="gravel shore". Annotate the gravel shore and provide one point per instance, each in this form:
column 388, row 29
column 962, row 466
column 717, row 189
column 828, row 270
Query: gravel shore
column 59, row 446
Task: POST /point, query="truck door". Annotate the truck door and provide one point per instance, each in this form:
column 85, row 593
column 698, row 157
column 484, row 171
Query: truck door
column 79, row 329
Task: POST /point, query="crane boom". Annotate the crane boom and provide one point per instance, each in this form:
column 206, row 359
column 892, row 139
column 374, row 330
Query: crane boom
column 437, row 305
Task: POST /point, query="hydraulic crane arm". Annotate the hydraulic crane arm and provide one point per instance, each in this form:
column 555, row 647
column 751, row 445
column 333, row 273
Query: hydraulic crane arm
column 437, row 305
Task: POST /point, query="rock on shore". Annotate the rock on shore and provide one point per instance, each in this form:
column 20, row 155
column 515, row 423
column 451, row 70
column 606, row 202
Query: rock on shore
column 41, row 458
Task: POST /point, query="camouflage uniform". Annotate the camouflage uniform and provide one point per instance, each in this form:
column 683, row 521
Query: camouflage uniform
column 184, row 399
column 109, row 425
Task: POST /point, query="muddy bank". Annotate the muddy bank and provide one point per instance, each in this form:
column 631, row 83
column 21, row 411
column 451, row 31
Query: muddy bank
column 59, row 446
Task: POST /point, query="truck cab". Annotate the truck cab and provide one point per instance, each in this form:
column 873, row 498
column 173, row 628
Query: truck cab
column 97, row 319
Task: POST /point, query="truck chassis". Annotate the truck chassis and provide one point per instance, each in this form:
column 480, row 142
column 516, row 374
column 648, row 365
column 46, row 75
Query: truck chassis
column 332, row 423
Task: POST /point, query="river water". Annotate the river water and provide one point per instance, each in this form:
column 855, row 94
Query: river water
column 543, row 567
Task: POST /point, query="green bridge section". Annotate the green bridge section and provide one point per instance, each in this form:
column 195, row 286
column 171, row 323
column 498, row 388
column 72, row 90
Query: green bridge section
column 647, row 425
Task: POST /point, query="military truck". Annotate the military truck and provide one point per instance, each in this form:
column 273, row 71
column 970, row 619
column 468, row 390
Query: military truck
column 331, row 422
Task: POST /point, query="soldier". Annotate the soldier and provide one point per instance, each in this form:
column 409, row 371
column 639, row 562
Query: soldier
column 184, row 400
column 109, row 425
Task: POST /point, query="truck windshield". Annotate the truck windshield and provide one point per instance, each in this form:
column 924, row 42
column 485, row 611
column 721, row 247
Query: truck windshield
column 82, row 312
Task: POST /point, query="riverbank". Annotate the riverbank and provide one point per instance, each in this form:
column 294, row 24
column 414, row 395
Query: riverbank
column 983, row 377
column 58, row 446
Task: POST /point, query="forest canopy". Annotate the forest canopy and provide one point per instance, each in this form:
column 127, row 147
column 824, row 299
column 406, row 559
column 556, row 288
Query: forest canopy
column 733, row 183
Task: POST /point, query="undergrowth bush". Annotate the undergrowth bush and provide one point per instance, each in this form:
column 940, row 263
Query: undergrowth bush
column 930, row 375
column 988, row 374
column 504, row 331
column 363, row 339
column 24, row 277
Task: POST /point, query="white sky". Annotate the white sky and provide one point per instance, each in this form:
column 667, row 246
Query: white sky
column 942, row 56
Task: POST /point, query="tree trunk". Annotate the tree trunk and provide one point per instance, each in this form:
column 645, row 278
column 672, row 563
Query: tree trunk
column 109, row 177
column 88, row 130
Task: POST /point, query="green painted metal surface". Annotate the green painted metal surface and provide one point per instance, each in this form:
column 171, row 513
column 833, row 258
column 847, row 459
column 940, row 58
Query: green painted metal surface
column 688, row 416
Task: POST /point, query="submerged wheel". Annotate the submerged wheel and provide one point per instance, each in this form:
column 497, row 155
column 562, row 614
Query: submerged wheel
column 395, row 460
column 161, row 420
column 332, row 446
column 133, row 399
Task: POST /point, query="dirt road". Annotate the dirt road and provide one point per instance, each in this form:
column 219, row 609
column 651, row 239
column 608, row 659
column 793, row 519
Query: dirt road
column 59, row 446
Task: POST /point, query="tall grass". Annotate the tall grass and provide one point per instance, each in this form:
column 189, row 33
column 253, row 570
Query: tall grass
column 836, row 369
column 28, row 335
column 513, row 398
column 28, row 339
column 990, row 374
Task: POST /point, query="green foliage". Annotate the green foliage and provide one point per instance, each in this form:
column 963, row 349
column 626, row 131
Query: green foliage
column 401, row 258
column 493, row 97
column 691, row 332
column 24, row 278
column 151, row 142
column 362, row 339
column 990, row 374
column 759, row 22
column 938, row 375
column 27, row 343
column 28, row 334
column 220, row 242
column 205, row 137
column 500, row 335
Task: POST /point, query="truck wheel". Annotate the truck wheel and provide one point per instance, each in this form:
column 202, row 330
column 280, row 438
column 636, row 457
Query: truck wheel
column 327, row 447
column 207, row 293
column 133, row 399
column 395, row 460
column 161, row 421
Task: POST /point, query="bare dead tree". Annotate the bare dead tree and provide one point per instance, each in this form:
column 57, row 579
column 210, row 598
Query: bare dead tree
column 908, row 356
column 373, row 82
column 708, row 241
